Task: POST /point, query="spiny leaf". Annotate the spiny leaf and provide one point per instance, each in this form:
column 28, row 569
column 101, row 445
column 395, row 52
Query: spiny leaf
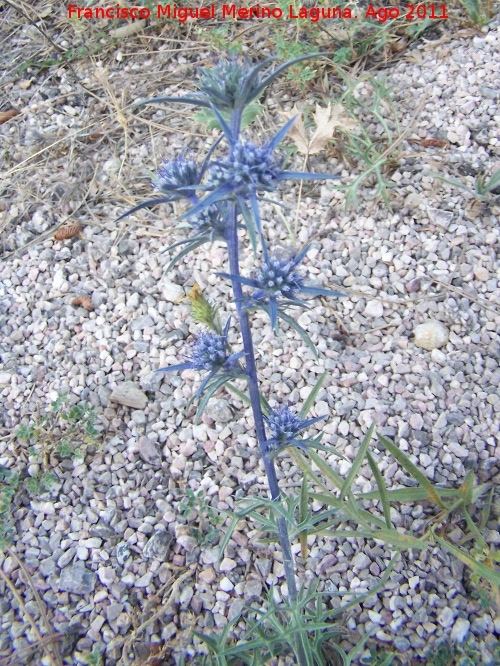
column 303, row 511
column 312, row 396
column 358, row 460
column 412, row 470
column 379, row 479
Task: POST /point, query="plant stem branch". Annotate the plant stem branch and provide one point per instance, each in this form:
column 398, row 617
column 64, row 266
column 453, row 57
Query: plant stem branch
column 253, row 387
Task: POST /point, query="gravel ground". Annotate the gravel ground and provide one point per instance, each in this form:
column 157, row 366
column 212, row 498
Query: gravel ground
column 105, row 546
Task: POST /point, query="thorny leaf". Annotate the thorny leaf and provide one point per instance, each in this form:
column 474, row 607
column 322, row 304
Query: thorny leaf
column 326, row 119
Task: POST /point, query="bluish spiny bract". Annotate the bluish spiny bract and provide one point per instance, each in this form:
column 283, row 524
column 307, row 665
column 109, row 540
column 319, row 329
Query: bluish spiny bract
column 209, row 351
column 248, row 168
column 209, row 221
column 284, row 424
column 278, row 278
column 177, row 173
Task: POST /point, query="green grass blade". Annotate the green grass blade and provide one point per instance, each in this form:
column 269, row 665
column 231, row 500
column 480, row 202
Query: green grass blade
column 312, row 396
column 303, row 513
column 416, row 494
column 491, row 575
column 329, row 473
column 301, row 331
column 384, row 498
column 209, row 391
column 357, row 462
column 229, row 533
column 412, row 470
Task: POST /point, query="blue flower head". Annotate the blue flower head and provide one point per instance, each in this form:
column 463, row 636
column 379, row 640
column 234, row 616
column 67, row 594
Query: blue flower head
column 278, row 278
column 209, row 222
column 284, row 426
column 209, row 352
column 247, row 169
column 178, row 177
column 230, row 84
column 277, row 284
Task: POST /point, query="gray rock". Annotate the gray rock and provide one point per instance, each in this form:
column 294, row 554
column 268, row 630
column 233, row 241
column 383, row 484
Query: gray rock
column 66, row 558
column 122, row 553
column 219, row 411
column 139, row 417
column 113, row 611
column 252, row 590
column 361, row 561
column 141, row 323
column 102, row 530
column 77, row 579
column 158, row 546
column 402, row 644
column 460, row 630
column 446, row 617
column 440, row 217
column 235, row 610
column 127, row 393
column 149, row 451
column 47, row 566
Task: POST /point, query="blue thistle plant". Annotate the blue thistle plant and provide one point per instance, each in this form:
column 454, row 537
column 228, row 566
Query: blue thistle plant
column 225, row 190
column 284, row 426
column 209, row 352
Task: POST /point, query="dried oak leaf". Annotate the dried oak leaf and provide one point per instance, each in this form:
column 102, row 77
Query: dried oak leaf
column 84, row 302
column 7, row 115
column 68, row 232
column 326, row 119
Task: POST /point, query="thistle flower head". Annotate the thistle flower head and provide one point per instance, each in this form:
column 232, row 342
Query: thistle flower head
column 209, row 222
column 247, row 169
column 177, row 175
column 230, row 84
column 209, row 352
column 284, row 424
column 278, row 278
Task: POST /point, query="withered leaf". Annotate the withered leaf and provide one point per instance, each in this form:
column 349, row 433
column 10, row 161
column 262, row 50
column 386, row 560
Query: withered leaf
column 7, row 115
column 326, row 119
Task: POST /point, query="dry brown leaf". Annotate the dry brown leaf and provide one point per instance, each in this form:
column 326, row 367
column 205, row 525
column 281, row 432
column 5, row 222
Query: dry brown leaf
column 68, row 232
column 326, row 119
column 84, row 302
column 7, row 115
column 297, row 132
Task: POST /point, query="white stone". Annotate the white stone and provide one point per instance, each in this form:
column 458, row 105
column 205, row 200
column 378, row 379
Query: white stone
column 460, row 630
column 374, row 309
column 481, row 274
column 5, row 378
column 321, row 408
column 431, row 335
column 226, row 585
column 127, row 393
column 416, row 421
column 106, row 575
column 171, row 292
column 227, row 564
